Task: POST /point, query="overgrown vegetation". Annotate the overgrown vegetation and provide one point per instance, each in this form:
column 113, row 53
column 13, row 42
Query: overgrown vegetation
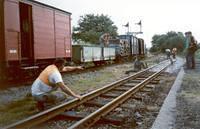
column 84, row 84
column 17, row 110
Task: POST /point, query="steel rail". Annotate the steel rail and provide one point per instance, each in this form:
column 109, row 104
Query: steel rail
column 95, row 116
column 52, row 112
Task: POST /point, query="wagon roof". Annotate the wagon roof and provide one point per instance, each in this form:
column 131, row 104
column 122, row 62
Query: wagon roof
column 46, row 5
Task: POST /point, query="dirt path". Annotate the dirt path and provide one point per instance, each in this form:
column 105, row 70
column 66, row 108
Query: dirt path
column 188, row 101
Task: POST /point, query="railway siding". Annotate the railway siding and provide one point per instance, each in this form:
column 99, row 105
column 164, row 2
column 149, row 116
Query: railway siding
column 41, row 117
column 24, row 91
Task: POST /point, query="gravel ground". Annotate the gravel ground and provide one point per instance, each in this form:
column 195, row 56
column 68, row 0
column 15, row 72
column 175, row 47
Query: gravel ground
column 14, row 94
column 188, row 101
column 140, row 114
column 188, row 111
column 181, row 110
column 76, row 82
column 137, row 114
column 80, row 83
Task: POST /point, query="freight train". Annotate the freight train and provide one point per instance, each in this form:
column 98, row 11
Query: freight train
column 33, row 35
column 123, row 47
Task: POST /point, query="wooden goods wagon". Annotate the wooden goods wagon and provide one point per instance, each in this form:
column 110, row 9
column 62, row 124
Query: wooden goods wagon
column 32, row 33
column 133, row 41
column 122, row 47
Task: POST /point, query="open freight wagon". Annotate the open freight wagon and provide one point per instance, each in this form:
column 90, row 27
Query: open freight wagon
column 91, row 53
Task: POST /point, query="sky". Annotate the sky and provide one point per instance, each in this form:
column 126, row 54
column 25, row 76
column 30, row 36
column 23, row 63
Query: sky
column 157, row 16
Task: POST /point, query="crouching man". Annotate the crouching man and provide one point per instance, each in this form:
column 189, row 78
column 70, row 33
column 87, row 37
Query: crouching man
column 138, row 65
column 49, row 86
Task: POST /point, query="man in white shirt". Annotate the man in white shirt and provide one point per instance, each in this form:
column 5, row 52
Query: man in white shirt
column 46, row 87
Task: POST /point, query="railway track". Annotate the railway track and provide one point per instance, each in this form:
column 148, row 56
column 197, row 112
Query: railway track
column 100, row 102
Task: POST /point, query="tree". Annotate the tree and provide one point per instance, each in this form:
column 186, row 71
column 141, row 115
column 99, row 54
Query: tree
column 91, row 27
column 168, row 41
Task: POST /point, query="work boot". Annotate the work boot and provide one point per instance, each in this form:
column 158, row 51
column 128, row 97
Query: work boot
column 40, row 106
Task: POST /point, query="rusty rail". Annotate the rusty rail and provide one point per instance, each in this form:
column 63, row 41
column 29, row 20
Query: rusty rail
column 95, row 116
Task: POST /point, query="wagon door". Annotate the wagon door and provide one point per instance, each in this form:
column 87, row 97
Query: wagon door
column 12, row 31
column 63, row 35
column 26, row 27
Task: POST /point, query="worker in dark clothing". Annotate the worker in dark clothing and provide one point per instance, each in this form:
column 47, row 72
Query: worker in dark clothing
column 138, row 65
column 190, row 57
column 168, row 53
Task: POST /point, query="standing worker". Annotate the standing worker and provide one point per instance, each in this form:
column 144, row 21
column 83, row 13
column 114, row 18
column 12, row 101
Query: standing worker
column 191, row 47
column 49, row 86
column 174, row 50
column 168, row 53
column 104, row 39
column 190, row 57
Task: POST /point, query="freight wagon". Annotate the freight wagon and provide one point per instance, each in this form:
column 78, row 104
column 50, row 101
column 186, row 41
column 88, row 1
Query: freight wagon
column 122, row 47
column 32, row 34
column 133, row 43
column 97, row 54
